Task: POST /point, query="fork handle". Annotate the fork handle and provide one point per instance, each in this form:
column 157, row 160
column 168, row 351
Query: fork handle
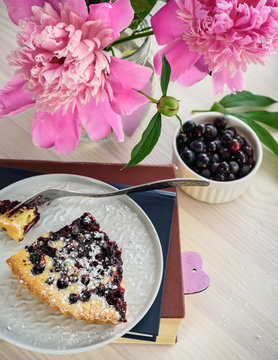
column 161, row 184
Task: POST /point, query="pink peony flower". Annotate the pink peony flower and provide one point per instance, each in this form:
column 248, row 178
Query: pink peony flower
column 218, row 36
column 64, row 70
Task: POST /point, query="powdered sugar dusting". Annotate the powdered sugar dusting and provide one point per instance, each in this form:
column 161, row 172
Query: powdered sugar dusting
column 84, row 266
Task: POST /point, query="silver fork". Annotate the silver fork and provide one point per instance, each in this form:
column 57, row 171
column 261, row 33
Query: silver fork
column 48, row 195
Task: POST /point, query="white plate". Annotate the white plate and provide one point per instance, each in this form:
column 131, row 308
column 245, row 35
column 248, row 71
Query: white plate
column 28, row 323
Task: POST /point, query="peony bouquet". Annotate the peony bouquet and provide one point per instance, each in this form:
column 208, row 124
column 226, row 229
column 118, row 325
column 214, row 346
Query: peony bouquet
column 66, row 64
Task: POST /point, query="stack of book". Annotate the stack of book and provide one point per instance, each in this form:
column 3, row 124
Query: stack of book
column 160, row 325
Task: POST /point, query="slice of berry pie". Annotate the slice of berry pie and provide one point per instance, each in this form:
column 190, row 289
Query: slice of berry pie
column 77, row 270
column 18, row 222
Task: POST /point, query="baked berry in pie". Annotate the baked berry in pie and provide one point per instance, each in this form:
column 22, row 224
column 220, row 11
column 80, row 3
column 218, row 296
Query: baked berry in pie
column 18, row 222
column 77, row 270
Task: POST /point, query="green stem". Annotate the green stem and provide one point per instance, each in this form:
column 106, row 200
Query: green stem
column 131, row 37
column 142, row 30
column 177, row 116
column 109, row 48
column 152, row 100
column 199, row 111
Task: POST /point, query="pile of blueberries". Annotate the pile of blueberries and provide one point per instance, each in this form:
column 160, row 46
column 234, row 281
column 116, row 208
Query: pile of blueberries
column 214, row 150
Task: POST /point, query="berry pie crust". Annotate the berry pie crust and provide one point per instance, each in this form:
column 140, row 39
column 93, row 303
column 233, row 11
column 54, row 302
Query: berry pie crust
column 18, row 222
column 76, row 270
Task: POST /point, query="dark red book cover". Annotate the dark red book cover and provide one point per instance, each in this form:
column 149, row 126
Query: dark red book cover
column 173, row 300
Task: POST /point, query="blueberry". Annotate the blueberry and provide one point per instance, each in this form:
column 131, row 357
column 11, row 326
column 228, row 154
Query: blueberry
column 119, row 270
column 214, row 168
column 117, row 279
column 85, row 296
column 242, row 140
column 214, row 158
column 202, row 160
column 241, row 157
column 74, row 230
column 85, row 279
column 62, row 283
column 58, row 264
column 223, row 167
column 210, row 131
column 49, row 280
column 248, row 150
column 181, row 139
column 200, row 130
column 231, row 130
column 218, row 144
column 226, row 138
column 87, row 221
column 30, row 248
column 99, row 292
column 95, row 226
column 189, row 126
column 244, row 170
column 212, row 146
column 197, row 146
column 225, row 153
column 101, row 272
column 35, row 258
column 50, row 251
column 220, row 122
column 251, row 162
column 206, row 173
column 230, row 177
column 234, row 167
column 38, row 269
column 73, row 298
column 110, row 299
column 219, row 177
column 81, row 251
column 214, row 151
column 188, row 156
column 42, row 242
column 52, row 236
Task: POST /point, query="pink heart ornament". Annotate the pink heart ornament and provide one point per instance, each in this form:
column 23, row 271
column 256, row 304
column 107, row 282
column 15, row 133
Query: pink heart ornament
column 194, row 279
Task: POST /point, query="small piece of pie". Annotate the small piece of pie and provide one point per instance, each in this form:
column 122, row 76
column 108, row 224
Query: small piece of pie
column 77, row 270
column 18, row 222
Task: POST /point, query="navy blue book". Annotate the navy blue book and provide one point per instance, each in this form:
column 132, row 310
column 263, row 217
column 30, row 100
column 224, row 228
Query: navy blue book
column 159, row 206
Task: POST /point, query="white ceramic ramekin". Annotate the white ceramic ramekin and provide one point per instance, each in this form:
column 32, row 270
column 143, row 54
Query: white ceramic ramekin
column 219, row 191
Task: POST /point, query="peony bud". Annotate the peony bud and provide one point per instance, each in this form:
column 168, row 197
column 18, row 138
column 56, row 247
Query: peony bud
column 168, row 106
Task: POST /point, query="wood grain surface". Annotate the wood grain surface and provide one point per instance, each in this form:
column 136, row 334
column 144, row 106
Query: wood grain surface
column 236, row 317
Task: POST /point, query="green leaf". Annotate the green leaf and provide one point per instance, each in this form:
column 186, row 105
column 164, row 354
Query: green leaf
column 148, row 140
column 217, row 107
column 265, row 117
column 165, row 75
column 264, row 136
column 245, row 98
column 140, row 5
column 143, row 14
column 140, row 15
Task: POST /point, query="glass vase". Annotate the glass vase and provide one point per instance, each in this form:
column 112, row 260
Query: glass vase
column 136, row 50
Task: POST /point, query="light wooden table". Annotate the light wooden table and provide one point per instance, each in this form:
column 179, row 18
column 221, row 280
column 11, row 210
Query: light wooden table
column 236, row 317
